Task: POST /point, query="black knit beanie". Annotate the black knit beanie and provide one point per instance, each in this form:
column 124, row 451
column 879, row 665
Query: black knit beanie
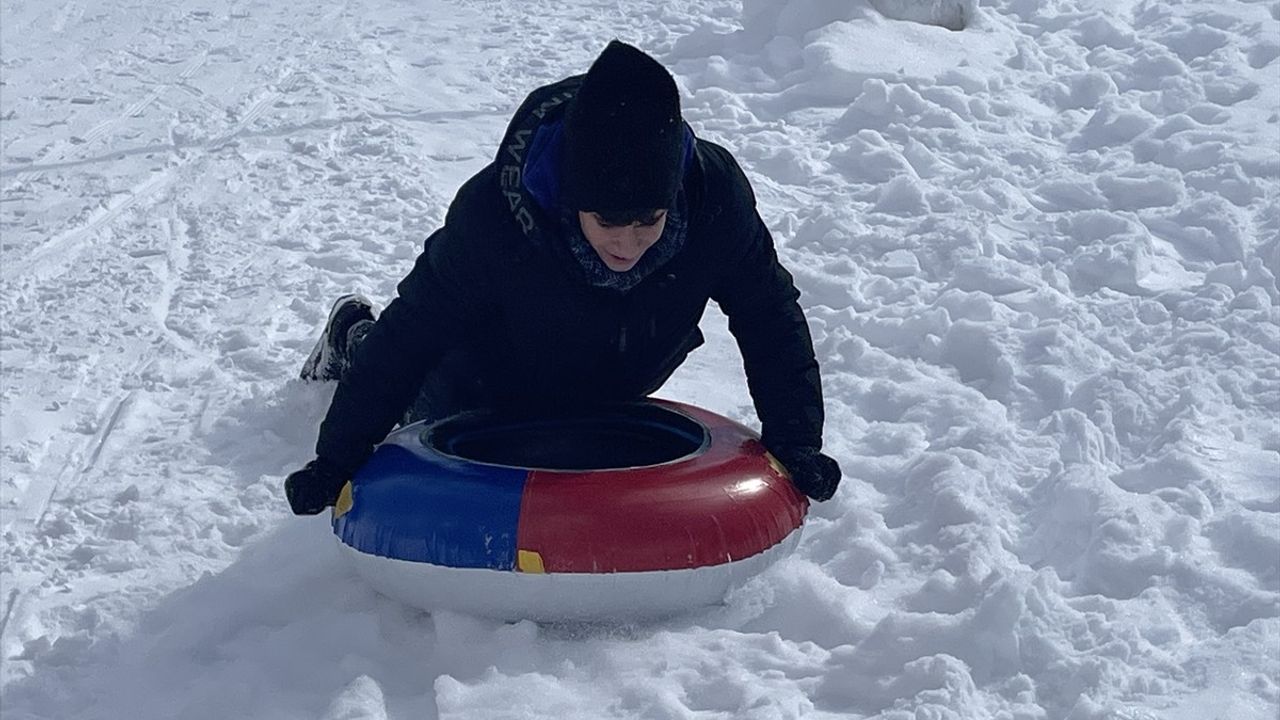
column 624, row 138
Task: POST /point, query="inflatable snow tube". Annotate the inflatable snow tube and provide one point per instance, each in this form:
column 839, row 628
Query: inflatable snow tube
column 635, row 511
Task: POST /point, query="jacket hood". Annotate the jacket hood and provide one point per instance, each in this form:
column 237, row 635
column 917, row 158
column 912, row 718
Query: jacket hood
column 544, row 106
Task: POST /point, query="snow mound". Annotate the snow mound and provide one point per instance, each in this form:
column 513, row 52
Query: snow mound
column 949, row 14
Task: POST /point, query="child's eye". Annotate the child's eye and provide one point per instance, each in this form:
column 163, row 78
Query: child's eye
column 642, row 222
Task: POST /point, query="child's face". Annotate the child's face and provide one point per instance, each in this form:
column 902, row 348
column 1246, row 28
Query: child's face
column 621, row 246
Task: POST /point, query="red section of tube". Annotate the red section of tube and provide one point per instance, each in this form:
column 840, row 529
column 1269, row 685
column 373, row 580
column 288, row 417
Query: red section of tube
column 726, row 503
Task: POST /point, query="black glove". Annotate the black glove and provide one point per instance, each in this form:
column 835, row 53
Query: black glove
column 314, row 487
column 813, row 473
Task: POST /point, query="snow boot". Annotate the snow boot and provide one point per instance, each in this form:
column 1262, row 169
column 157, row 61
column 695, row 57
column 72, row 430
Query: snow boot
column 349, row 320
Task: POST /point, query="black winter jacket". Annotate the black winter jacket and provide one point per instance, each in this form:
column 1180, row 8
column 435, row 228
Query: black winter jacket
column 495, row 281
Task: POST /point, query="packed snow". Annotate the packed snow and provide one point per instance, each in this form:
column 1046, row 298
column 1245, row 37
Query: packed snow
column 1037, row 243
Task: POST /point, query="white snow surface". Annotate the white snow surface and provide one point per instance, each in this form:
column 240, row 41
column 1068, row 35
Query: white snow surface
column 1039, row 259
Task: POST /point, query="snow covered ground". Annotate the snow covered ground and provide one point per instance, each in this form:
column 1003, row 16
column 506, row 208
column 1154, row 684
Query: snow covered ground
column 1039, row 256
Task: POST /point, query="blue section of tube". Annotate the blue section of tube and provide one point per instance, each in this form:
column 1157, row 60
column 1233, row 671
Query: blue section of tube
column 436, row 510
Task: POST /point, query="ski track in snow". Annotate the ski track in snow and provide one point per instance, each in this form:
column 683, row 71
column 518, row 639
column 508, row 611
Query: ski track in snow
column 1039, row 257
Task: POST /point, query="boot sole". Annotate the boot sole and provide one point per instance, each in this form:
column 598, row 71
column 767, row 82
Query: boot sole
column 314, row 360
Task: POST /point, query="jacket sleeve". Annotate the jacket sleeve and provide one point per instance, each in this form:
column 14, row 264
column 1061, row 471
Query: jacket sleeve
column 438, row 304
column 761, row 300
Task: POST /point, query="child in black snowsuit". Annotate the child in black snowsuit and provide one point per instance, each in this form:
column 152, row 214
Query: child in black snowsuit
column 574, row 268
